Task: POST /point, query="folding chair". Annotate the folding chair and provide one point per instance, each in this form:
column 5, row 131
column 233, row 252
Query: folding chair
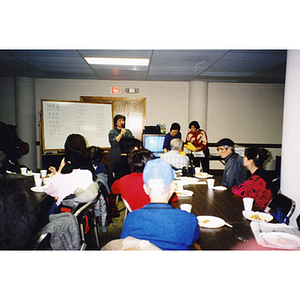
column 81, row 213
column 281, row 207
column 41, row 242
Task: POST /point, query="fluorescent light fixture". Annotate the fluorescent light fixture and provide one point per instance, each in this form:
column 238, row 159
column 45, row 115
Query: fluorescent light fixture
column 117, row 61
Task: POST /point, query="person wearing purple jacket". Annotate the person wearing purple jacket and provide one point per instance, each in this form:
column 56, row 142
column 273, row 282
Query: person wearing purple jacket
column 173, row 134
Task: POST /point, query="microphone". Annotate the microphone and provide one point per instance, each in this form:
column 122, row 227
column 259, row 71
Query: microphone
column 123, row 125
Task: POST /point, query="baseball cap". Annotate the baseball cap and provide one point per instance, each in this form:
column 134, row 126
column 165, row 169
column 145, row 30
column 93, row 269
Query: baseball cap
column 158, row 173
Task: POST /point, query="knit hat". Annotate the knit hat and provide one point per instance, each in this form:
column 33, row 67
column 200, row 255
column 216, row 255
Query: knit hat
column 225, row 142
column 158, row 173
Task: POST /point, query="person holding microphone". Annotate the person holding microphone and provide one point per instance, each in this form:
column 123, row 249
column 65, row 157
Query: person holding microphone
column 114, row 137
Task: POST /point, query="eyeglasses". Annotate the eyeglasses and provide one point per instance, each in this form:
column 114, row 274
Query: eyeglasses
column 222, row 149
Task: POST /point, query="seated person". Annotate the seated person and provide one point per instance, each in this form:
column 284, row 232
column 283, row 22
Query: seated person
column 157, row 222
column 173, row 134
column 76, row 141
column 258, row 185
column 131, row 186
column 234, row 171
column 72, row 176
column 173, row 157
column 17, row 225
column 127, row 144
column 96, row 155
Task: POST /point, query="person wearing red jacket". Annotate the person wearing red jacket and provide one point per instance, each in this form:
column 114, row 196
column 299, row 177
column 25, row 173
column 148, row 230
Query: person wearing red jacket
column 198, row 138
column 258, row 185
column 131, row 186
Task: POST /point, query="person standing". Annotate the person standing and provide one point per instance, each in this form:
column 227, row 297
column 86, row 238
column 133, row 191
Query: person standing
column 198, row 138
column 173, row 134
column 114, row 136
column 234, row 171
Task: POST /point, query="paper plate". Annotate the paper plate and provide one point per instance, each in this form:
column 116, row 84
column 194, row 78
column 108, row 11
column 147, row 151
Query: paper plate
column 187, row 179
column 203, row 175
column 184, row 194
column 257, row 216
column 210, row 221
column 281, row 239
column 37, row 189
column 220, row 188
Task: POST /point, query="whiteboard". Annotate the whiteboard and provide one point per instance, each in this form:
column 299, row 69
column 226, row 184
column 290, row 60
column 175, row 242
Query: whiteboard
column 62, row 118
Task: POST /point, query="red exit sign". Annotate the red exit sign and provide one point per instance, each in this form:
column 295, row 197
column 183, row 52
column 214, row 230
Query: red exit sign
column 115, row 90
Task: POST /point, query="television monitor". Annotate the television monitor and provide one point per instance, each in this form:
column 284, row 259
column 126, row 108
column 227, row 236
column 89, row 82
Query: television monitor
column 154, row 143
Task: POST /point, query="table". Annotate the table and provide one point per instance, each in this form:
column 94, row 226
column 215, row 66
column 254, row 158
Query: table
column 227, row 206
column 38, row 203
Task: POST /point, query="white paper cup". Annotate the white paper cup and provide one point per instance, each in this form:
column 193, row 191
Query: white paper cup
column 210, row 183
column 186, row 207
column 38, row 181
column 248, row 203
column 43, row 173
column 179, row 187
column 23, row 170
column 197, row 170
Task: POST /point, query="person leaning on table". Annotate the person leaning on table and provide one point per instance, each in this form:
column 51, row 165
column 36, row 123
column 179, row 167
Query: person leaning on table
column 234, row 171
column 157, row 222
column 173, row 157
column 173, row 134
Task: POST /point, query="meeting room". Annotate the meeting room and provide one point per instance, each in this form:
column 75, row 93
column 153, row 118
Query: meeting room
column 212, row 107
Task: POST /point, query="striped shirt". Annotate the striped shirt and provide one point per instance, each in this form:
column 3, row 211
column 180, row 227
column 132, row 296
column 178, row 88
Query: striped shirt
column 175, row 159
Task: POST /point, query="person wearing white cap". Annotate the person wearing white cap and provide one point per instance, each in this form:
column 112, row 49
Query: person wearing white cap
column 157, row 222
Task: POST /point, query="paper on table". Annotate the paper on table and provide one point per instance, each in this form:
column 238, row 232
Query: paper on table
column 259, row 227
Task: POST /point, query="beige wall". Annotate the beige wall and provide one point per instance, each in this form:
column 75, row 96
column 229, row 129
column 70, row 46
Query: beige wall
column 247, row 113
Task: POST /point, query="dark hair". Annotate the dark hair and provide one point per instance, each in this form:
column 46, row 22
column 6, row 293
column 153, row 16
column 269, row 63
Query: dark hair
column 175, row 126
column 194, row 123
column 74, row 160
column 225, row 142
column 137, row 159
column 74, row 141
column 96, row 153
column 259, row 155
column 17, row 223
column 117, row 117
column 127, row 144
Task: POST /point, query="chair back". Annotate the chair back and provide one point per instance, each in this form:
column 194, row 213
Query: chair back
column 41, row 242
column 281, row 207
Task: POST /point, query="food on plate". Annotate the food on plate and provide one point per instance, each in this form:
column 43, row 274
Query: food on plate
column 258, row 217
column 205, row 221
column 204, row 175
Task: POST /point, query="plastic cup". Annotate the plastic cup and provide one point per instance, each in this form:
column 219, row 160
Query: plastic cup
column 186, row 207
column 43, row 173
column 248, row 203
column 210, row 183
column 23, row 170
column 38, row 181
column 197, row 170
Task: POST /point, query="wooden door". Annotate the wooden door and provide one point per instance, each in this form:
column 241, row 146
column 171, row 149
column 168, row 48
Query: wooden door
column 133, row 108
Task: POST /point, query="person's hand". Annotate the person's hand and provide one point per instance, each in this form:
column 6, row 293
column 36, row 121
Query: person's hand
column 52, row 170
column 123, row 131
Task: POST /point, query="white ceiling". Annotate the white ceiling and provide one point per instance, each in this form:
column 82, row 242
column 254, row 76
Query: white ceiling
column 253, row 66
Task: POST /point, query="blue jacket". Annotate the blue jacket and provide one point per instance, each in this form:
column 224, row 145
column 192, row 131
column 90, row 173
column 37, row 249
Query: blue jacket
column 234, row 172
column 163, row 226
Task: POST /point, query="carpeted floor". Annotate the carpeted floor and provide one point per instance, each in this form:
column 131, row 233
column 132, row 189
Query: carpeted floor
column 114, row 230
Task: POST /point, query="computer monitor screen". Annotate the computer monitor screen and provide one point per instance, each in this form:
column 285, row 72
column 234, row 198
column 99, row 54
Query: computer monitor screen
column 154, row 143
